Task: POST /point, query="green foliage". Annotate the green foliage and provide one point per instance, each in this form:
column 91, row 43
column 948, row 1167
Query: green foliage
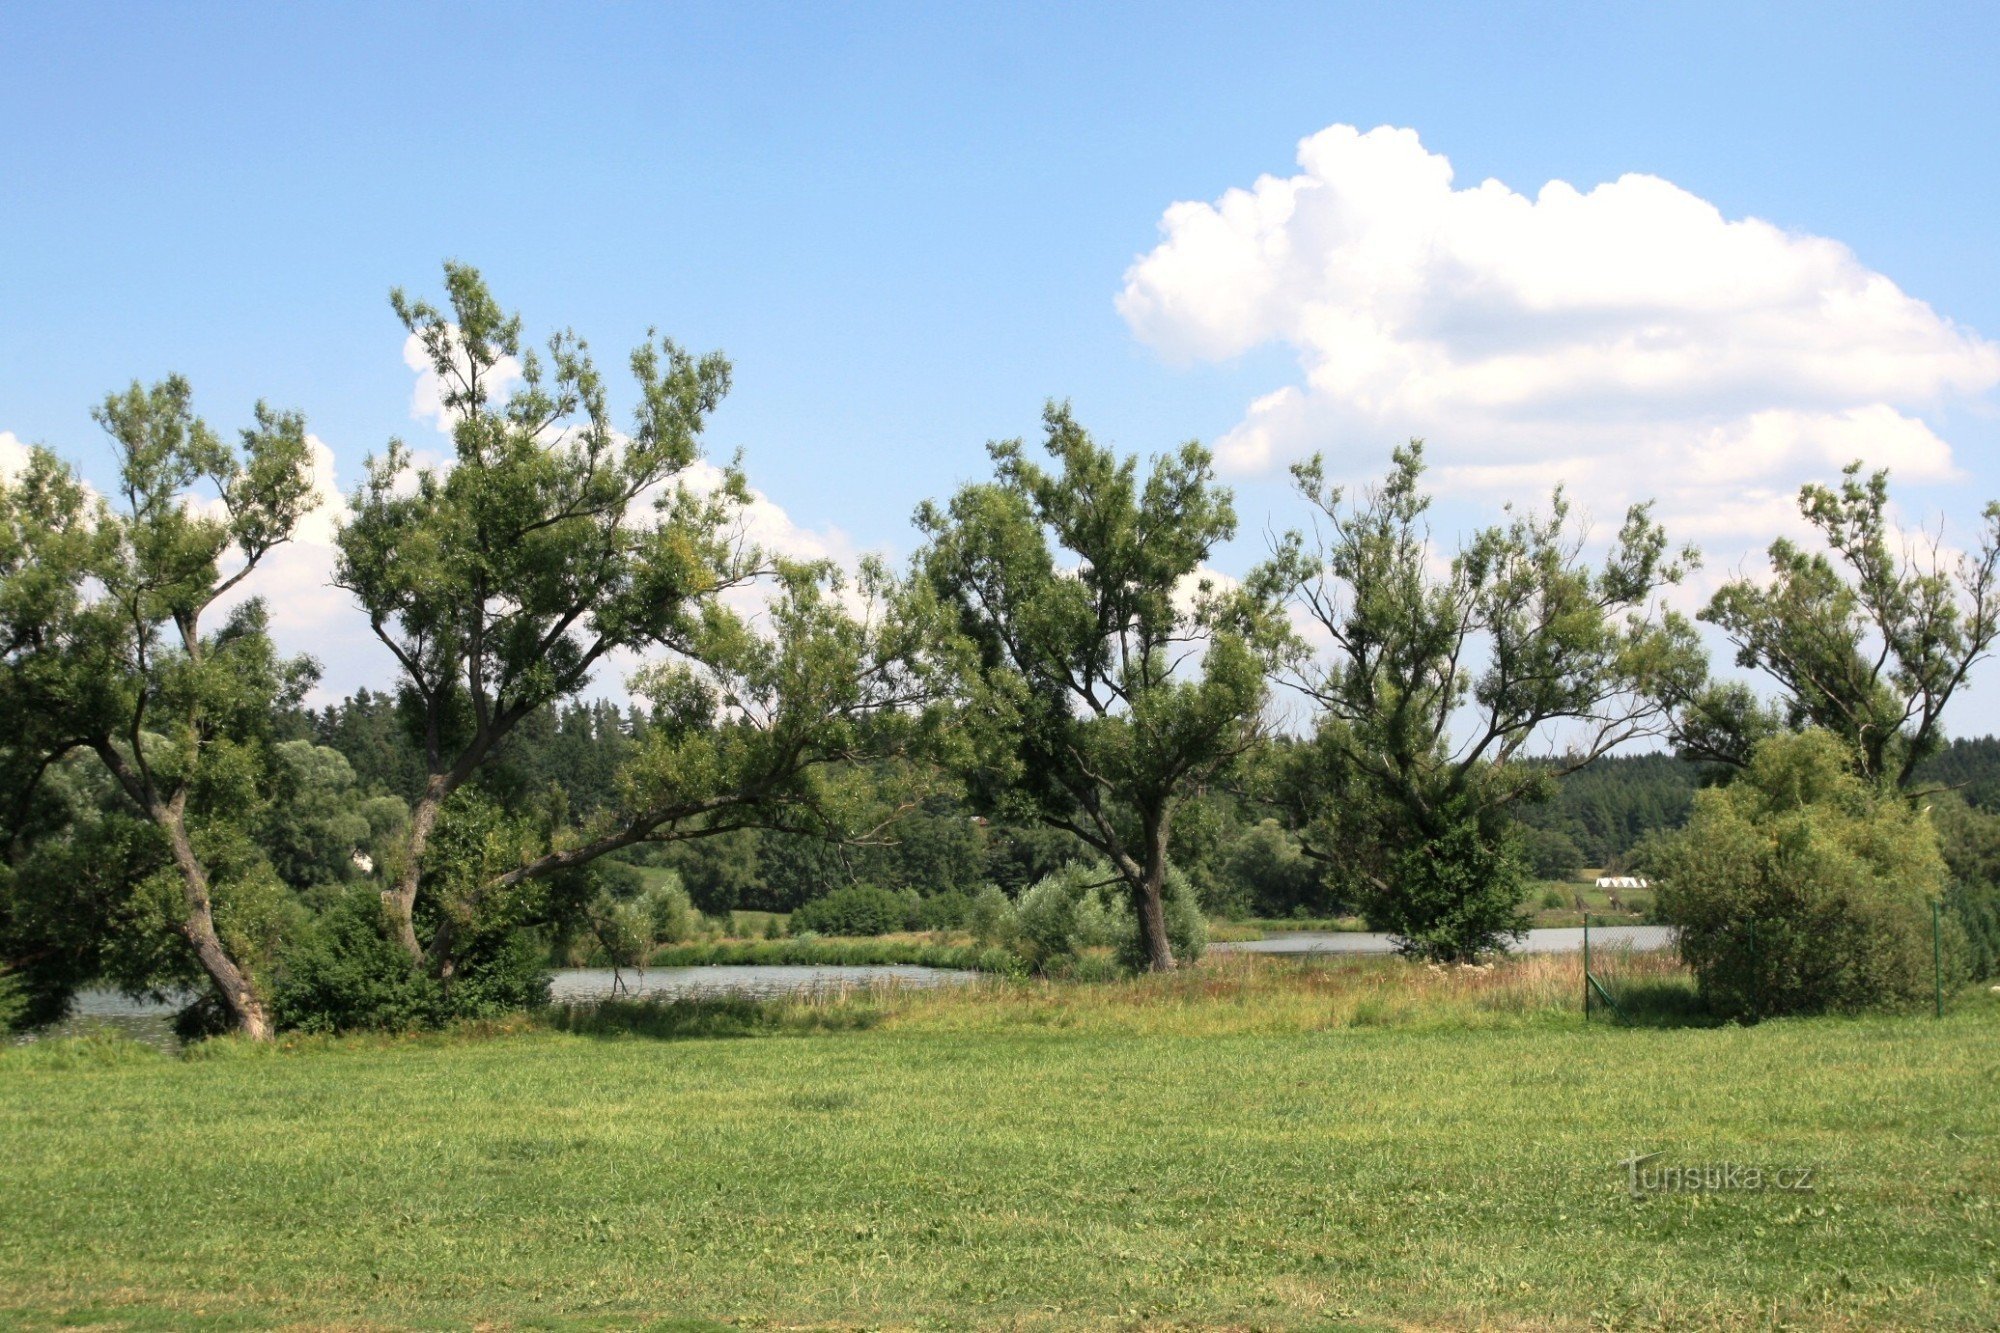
column 1080, row 907
column 13, row 1001
column 556, row 539
column 1969, row 840
column 951, row 910
column 1264, row 870
column 1864, row 640
column 101, row 610
column 1085, row 907
column 860, row 910
column 993, row 919
column 1549, row 854
column 1804, row 887
column 1515, row 638
column 320, row 817
column 1607, row 806
column 1452, row 898
column 346, row 973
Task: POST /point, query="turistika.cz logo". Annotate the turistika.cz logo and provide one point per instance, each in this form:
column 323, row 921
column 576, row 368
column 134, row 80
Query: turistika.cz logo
column 1646, row 1174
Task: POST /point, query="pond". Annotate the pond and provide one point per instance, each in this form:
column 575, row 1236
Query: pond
column 152, row 1020
column 1563, row 939
column 758, row 981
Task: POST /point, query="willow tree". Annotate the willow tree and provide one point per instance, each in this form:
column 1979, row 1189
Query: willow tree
column 1446, row 676
column 102, row 606
column 1105, row 677
column 1869, row 638
column 503, row 579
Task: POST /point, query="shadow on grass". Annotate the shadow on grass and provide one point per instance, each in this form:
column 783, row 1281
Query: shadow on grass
column 1659, row 1003
column 694, row 1018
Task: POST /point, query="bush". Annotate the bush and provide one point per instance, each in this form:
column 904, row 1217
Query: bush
column 1550, row 853
column 1970, row 842
column 671, row 911
column 1084, row 906
column 1554, row 899
column 13, row 1001
column 1452, row 898
column 1802, row 888
column 1072, row 910
column 1187, row 926
column 950, row 910
column 861, row 910
column 346, row 973
column 992, row 919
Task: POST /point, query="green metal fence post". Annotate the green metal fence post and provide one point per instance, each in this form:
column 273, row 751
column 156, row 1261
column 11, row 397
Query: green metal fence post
column 1756, row 974
column 1586, row 967
column 1937, row 956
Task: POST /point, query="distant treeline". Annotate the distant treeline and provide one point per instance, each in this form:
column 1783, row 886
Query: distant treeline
column 1240, row 860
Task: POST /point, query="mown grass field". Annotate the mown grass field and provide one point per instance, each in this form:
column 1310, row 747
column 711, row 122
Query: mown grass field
column 1261, row 1144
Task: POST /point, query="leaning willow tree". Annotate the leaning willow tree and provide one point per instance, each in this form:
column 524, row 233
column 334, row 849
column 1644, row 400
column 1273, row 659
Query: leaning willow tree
column 1104, row 678
column 1446, row 675
column 102, row 604
column 552, row 542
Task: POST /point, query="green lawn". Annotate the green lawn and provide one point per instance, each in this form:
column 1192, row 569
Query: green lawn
column 1161, row 1154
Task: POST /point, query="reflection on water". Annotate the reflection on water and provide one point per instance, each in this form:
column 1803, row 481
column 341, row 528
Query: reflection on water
column 152, row 1021
column 758, row 982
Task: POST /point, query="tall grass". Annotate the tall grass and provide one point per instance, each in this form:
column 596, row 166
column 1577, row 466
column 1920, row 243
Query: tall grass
column 1230, row 994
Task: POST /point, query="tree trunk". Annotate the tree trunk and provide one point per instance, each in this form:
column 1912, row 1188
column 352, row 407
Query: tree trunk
column 1152, row 902
column 246, row 1008
column 400, row 898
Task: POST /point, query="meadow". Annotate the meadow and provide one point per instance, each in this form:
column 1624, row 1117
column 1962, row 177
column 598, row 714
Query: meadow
column 1257, row 1143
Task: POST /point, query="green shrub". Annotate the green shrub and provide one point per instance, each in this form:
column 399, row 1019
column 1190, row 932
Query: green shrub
column 671, row 912
column 345, row 973
column 1187, row 925
column 992, row 919
column 1084, row 906
column 1802, row 888
column 950, row 910
column 1550, row 853
column 860, row 910
column 1451, row 898
column 1554, row 899
column 619, row 879
column 1063, row 914
column 1969, row 838
column 13, row 1001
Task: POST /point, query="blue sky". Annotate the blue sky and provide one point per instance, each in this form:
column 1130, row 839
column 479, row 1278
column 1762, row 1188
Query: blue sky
column 908, row 225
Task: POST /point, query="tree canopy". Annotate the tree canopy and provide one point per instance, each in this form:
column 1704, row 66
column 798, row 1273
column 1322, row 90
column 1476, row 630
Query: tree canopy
column 1445, row 675
column 1105, row 674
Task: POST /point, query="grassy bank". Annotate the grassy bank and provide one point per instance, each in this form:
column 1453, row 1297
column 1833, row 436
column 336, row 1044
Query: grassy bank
column 1260, row 1143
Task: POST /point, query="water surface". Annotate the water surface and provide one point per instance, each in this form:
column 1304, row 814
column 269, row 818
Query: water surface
column 1557, row 939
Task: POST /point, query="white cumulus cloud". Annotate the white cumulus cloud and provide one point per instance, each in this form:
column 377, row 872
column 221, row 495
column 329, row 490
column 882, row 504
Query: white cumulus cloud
column 1628, row 339
column 13, row 456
